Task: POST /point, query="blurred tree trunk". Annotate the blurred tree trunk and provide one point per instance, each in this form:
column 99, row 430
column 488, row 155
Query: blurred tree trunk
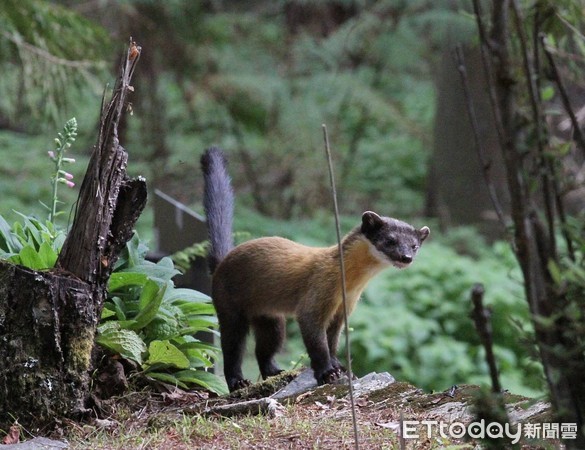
column 456, row 191
column 48, row 319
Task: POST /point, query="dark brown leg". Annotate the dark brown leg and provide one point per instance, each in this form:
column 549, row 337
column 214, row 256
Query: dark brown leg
column 270, row 334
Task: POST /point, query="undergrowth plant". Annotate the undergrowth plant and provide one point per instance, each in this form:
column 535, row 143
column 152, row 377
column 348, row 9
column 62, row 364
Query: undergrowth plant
column 34, row 243
column 63, row 141
column 150, row 321
column 146, row 318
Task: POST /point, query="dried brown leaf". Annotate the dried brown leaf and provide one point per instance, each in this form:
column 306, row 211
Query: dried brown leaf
column 13, row 436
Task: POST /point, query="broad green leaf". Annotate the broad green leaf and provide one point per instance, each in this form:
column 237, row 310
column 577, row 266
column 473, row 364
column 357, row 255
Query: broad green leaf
column 136, row 251
column 197, row 325
column 47, row 255
column 58, row 241
column 165, row 353
column 124, row 342
column 161, row 328
column 7, row 256
column 198, row 358
column 18, row 232
column 162, row 271
column 197, row 308
column 119, row 280
column 204, row 379
column 30, row 258
column 108, row 326
column 128, row 324
column 32, row 229
column 167, row 378
column 199, row 346
column 186, row 295
column 149, row 303
column 107, row 313
column 119, row 307
column 170, row 311
column 7, row 241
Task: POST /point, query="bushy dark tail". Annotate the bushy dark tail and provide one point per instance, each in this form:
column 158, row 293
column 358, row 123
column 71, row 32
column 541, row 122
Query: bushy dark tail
column 218, row 202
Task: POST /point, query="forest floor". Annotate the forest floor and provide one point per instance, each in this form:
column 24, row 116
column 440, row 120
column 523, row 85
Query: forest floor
column 317, row 419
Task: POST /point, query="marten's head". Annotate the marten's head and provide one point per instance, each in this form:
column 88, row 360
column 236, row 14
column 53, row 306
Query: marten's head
column 393, row 241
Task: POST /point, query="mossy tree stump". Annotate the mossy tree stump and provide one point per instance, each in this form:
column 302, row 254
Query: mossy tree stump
column 48, row 319
column 47, row 326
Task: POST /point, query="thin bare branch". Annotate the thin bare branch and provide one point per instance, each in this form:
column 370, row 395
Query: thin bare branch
column 543, row 163
column 343, row 287
column 19, row 42
column 577, row 133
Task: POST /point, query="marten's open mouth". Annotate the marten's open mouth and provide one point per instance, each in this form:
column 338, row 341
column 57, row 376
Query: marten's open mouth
column 400, row 265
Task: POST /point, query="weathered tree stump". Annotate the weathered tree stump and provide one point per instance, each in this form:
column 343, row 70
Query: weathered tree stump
column 48, row 319
column 47, row 327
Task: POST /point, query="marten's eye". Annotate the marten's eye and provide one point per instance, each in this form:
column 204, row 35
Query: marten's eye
column 415, row 247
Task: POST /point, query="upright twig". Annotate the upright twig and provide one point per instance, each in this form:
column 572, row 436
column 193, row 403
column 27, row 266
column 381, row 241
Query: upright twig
column 489, row 406
column 481, row 318
column 343, row 286
column 401, row 439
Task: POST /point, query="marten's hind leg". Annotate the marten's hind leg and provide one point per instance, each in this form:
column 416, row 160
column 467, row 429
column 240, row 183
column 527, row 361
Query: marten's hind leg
column 233, row 328
column 270, row 334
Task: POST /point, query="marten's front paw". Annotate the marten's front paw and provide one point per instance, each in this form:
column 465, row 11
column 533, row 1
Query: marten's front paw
column 270, row 370
column 239, row 383
column 329, row 376
column 337, row 365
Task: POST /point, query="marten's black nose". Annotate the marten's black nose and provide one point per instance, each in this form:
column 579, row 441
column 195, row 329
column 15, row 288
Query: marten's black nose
column 406, row 259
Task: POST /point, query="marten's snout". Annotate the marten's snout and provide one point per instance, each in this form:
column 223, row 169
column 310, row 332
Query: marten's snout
column 406, row 259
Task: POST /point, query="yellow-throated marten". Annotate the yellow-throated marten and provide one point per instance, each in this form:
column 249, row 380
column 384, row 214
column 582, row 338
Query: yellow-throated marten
column 262, row 281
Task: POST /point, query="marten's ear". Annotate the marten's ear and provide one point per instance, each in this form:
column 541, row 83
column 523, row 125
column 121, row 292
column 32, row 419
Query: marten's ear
column 371, row 221
column 423, row 233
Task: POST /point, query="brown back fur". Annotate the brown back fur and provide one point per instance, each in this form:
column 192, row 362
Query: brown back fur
column 276, row 276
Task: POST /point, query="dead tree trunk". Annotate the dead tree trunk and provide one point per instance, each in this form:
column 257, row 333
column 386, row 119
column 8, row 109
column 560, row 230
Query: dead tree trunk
column 48, row 319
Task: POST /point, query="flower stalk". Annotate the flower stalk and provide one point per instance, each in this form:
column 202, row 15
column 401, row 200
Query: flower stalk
column 63, row 141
